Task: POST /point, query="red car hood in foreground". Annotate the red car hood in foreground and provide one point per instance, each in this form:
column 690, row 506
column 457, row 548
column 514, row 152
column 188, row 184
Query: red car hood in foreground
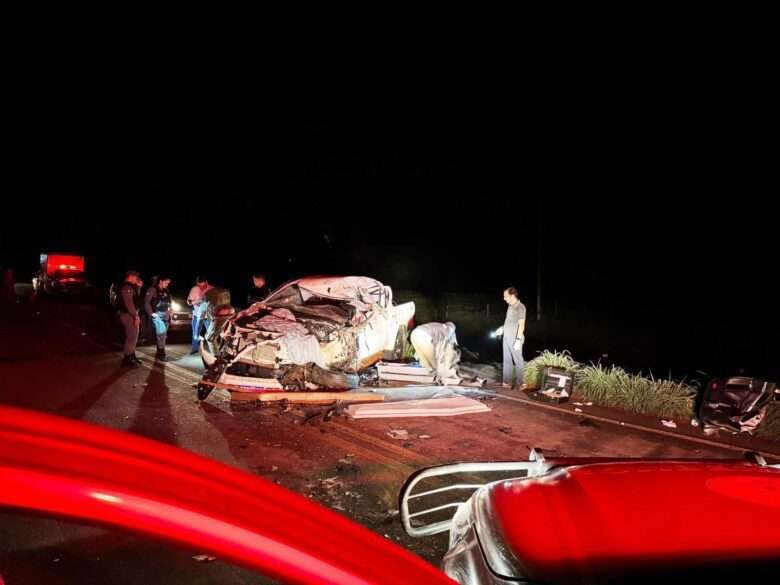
column 69, row 468
column 584, row 522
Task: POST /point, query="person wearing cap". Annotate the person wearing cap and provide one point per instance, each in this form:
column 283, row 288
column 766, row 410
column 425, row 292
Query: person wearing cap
column 129, row 316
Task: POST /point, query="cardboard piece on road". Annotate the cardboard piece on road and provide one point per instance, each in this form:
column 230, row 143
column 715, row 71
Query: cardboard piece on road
column 250, row 390
column 406, row 369
column 319, row 397
column 453, row 406
column 407, row 378
column 250, row 383
column 405, row 373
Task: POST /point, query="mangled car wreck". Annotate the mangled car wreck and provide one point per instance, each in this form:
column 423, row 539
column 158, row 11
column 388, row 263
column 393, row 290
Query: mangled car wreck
column 312, row 333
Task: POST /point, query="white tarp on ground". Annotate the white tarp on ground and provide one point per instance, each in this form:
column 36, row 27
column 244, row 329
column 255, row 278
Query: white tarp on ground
column 453, row 406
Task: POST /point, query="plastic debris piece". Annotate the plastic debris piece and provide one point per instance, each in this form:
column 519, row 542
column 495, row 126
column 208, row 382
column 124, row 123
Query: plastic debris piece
column 669, row 424
column 204, row 558
column 695, row 422
column 577, row 410
column 399, row 434
column 424, row 437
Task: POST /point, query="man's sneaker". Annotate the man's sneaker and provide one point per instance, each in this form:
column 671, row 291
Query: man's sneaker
column 161, row 357
column 136, row 359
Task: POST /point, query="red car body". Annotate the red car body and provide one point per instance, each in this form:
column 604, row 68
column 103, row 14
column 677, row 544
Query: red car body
column 81, row 471
column 566, row 521
column 604, row 520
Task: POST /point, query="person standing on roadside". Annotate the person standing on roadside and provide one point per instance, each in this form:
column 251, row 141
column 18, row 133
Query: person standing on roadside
column 129, row 316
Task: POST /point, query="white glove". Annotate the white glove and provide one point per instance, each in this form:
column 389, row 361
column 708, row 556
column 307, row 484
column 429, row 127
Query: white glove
column 500, row 331
column 518, row 344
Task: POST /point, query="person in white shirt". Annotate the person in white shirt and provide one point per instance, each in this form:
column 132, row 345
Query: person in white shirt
column 197, row 300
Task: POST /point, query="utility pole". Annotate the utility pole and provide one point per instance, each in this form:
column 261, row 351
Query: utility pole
column 539, row 220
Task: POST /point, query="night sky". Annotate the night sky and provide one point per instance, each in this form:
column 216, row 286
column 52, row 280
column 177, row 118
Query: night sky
column 642, row 218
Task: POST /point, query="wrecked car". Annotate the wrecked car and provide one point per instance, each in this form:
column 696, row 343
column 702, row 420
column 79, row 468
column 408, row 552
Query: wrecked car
column 600, row 520
column 316, row 332
column 737, row 404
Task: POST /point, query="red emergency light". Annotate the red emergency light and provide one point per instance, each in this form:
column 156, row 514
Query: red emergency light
column 55, row 262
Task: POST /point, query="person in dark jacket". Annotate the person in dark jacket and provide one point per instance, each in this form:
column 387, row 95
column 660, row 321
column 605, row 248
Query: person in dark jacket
column 157, row 304
column 129, row 316
column 260, row 289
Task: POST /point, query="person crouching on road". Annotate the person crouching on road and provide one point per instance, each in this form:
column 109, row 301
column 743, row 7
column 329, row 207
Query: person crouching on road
column 157, row 304
column 129, row 316
column 197, row 300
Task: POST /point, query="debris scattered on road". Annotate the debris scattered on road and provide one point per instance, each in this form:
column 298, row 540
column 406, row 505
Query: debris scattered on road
column 695, row 422
column 577, row 410
column 406, row 373
column 204, row 558
column 347, row 465
column 709, row 431
column 669, row 423
column 505, row 430
column 424, row 437
column 451, row 406
column 274, row 468
column 399, row 434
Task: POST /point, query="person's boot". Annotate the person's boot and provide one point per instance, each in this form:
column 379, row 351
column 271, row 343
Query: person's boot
column 160, row 355
column 136, row 359
column 129, row 362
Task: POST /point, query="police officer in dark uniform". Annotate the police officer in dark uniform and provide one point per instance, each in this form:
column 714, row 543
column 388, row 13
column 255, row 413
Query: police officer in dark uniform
column 129, row 316
column 157, row 303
